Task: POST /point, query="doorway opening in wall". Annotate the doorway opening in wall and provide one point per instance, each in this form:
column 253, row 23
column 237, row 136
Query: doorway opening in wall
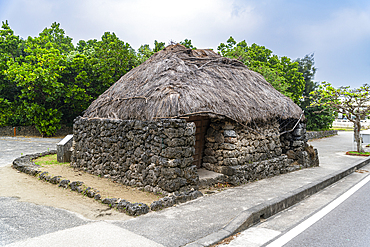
column 201, row 124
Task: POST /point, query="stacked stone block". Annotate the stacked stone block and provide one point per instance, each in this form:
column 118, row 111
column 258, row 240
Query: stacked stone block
column 153, row 155
column 230, row 144
column 244, row 154
column 295, row 145
column 157, row 156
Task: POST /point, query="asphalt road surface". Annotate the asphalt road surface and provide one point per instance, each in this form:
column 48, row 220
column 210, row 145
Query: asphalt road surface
column 348, row 224
column 336, row 216
column 14, row 147
column 22, row 220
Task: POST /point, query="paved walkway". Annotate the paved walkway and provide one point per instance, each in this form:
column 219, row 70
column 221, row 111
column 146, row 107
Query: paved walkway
column 202, row 221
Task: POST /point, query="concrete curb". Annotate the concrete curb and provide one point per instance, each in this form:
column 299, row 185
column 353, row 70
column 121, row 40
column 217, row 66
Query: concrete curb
column 266, row 209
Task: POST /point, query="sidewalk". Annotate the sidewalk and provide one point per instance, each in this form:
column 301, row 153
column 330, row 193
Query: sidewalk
column 213, row 217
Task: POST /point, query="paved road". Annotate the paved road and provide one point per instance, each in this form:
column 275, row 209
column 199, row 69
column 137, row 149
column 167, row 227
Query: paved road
column 346, row 225
column 13, row 147
column 27, row 224
column 275, row 227
column 20, row 224
column 336, row 229
column 21, row 220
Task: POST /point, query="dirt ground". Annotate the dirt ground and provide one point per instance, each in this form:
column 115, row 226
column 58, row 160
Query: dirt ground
column 30, row 189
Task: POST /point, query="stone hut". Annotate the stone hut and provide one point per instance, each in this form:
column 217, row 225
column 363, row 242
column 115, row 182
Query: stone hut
column 184, row 110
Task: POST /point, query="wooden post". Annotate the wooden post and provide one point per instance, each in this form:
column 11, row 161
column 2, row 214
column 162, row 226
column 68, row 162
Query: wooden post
column 14, row 131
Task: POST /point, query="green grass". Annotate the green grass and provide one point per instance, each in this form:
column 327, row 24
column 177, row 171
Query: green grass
column 48, row 160
column 358, row 153
column 342, row 128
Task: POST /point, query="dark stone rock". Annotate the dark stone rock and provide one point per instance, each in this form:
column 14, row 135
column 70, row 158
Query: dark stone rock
column 55, row 179
column 195, row 194
column 228, row 170
column 122, row 205
column 231, row 140
column 137, row 209
column 156, row 205
column 109, row 201
column 75, row 184
column 171, row 185
column 210, row 159
column 230, row 161
column 298, row 132
column 219, row 137
column 209, row 152
column 97, row 197
column 43, row 175
column 90, row 192
column 172, row 152
column 291, row 154
column 64, row 183
column 170, row 173
column 191, row 175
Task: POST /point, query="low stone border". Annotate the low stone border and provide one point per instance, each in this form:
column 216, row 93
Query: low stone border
column 26, row 165
column 320, row 134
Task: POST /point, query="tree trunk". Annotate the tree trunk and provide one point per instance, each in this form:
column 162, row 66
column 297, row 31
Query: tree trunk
column 356, row 129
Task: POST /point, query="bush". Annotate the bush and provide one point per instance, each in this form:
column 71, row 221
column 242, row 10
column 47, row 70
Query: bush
column 319, row 118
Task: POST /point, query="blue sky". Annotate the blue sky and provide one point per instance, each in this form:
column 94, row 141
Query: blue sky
column 338, row 32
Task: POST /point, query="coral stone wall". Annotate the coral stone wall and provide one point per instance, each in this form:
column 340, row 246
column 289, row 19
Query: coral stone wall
column 153, row 155
column 247, row 154
column 157, row 156
column 294, row 145
column 320, row 134
column 230, row 144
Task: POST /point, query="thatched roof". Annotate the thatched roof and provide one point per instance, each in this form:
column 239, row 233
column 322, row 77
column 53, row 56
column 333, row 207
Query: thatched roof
column 178, row 81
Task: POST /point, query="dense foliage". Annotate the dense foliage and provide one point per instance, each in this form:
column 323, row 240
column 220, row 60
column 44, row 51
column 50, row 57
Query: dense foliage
column 47, row 81
column 281, row 72
column 318, row 117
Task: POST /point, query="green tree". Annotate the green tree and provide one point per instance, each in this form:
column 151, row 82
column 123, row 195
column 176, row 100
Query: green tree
column 37, row 74
column 11, row 49
column 57, row 37
column 187, row 43
column 105, row 61
column 352, row 103
column 282, row 73
column 144, row 52
column 306, row 67
column 318, row 117
column 46, row 88
column 158, row 46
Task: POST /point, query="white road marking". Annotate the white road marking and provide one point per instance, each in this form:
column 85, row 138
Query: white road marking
column 253, row 237
column 314, row 218
column 89, row 235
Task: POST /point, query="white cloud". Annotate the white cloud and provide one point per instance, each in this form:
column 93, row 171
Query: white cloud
column 143, row 21
column 344, row 28
column 337, row 32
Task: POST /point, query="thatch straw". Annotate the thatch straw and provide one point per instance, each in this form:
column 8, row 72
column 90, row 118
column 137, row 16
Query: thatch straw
column 178, row 81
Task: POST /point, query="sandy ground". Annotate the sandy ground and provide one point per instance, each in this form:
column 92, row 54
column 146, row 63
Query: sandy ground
column 30, row 189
